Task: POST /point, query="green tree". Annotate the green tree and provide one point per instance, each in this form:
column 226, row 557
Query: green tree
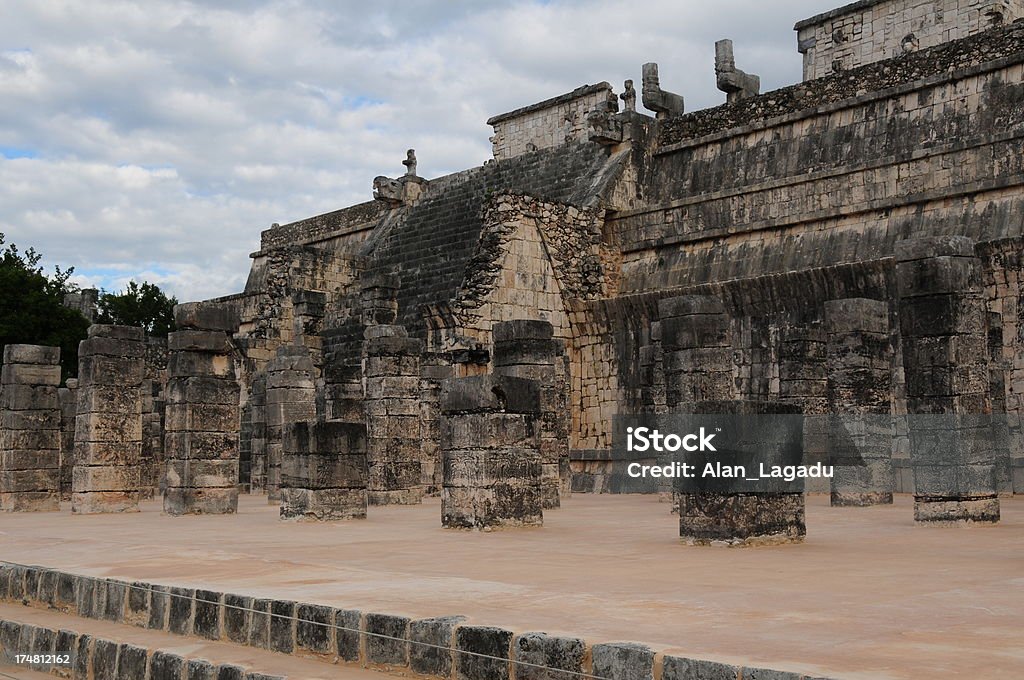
column 32, row 307
column 142, row 305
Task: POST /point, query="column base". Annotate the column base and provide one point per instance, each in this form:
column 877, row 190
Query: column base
column 861, row 499
column 201, row 501
column 741, row 519
column 323, row 505
column 99, row 502
column 948, row 511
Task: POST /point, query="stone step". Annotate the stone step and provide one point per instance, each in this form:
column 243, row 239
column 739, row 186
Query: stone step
column 124, row 652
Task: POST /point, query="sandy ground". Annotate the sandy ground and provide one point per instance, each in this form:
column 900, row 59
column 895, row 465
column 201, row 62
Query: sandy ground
column 869, row 594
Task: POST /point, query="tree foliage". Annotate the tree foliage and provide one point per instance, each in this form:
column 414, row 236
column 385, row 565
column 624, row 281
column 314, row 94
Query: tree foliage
column 32, row 307
column 140, row 304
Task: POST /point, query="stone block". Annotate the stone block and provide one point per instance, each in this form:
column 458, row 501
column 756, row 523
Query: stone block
column 216, row 342
column 623, row 661
column 430, row 645
column 131, row 662
column 494, row 644
column 166, row 666
column 104, row 660
column 679, row 668
column 159, row 607
column 181, row 610
column 282, row 626
column 114, row 600
column 490, row 393
column 237, row 619
column 347, row 632
column 741, row 519
column 210, row 316
column 116, row 332
column 30, row 374
column 31, row 354
column 137, row 604
column 230, row 672
column 387, row 639
column 312, row 630
column 259, row 631
column 111, row 347
column 539, row 656
column 200, row 669
column 206, row 622
column 104, row 370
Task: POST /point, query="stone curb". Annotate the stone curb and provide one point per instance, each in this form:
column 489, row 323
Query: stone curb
column 442, row 647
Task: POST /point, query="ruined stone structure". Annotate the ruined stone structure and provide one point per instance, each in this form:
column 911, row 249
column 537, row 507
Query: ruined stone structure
column 493, row 468
column 107, row 474
column 202, row 416
column 794, row 251
column 29, row 429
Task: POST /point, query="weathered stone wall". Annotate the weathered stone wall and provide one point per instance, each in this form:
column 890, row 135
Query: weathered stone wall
column 872, row 30
column 107, row 476
column 68, row 398
column 154, row 382
column 832, row 185
column 549, row 123
column 30, row 429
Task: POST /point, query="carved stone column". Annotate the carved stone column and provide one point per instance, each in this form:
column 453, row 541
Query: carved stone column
column 392, row 374
column 945, row 360
column 527, row 349
column 29, row 429
column 491, row 447
column 860, row 364
column 107, row 476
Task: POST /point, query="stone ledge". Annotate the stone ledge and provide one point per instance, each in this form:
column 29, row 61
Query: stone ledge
column 490, row 653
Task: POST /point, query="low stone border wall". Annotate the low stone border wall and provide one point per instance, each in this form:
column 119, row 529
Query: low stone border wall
column 442, row 647
column 94, row 657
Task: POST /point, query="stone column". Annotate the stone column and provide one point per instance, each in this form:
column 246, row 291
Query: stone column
column 860, row 365
column 153, row 406
column 108, row 431
column 696, row 349
column 29, row 429
column 746, row 517
column 803, row 381
column 324, row 474
column 490, row 437
column 394, row 442
column 291, row 397
column 945, row 360
column 202, row 421
column 258, row 433
column 68, row 398
column 432, row 375
column 527, row 349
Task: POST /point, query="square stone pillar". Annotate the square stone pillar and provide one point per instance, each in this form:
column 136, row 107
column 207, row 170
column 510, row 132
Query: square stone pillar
column 202, row 424
column 68, row 398
column 107, row 476
column 746, row 517
column 696, row 349
column 527, row 349
column 324, row 474
column 945, row 360
column 490, row 438
column 291, row 398
column 394, row 440
column 860, row 436
column 258, row 433
column 29, row 429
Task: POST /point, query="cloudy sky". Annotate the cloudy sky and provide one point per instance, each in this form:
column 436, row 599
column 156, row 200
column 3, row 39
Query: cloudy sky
column 156, row 139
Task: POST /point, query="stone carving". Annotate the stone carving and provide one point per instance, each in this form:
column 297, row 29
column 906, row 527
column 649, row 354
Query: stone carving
column 410, row 163
column 628, row 97
column 323, row 476
column 387, row 190
column 735, row 83
column 664, row 104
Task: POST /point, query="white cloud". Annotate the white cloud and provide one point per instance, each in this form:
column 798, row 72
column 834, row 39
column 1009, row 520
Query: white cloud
column 161, row 138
